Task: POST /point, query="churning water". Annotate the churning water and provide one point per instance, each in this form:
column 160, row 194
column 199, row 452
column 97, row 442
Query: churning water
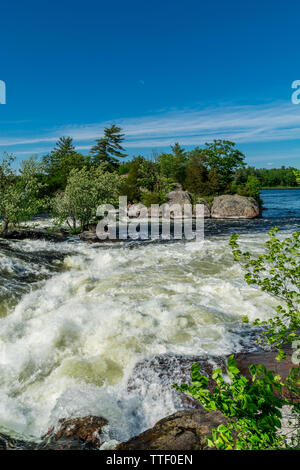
column 75, row 319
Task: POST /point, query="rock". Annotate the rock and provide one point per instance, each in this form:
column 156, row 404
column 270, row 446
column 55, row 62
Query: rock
column 206, row 209
column 161, row 372
column 73, row 434
column 234, row 207
column 23, row 234
column 268, row 359
column 85, row 430
column 177, row 198
column 184, row 430
column 176, row 186
column 154, row 212
column 137, row 210
column 10, row 443
column 89, row 236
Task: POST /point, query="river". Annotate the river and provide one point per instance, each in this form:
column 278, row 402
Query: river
column 75, row 319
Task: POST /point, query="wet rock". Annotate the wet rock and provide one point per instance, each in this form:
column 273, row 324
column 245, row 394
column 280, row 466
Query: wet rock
column 161, row 372
column 10, row 443
column 234, row 207
column 77, row 431
column 23, row 234
column 184, row 430
column 89, row 236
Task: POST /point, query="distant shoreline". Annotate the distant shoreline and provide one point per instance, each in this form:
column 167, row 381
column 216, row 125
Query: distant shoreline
column 280, row 187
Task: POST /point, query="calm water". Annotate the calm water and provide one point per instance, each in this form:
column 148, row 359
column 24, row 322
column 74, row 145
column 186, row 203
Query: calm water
column 75, row 320
column 281, row 203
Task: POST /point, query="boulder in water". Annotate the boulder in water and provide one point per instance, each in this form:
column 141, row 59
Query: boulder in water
column 234, row 207
column 184, row 430
column 85, row 430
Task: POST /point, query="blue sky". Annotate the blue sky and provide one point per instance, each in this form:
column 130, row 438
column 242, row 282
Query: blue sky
column 166, row 71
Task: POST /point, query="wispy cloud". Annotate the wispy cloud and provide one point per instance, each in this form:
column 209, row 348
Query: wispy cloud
column 242, row 124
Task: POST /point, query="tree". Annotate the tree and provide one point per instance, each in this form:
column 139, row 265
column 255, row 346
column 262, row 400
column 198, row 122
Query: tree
column 173, row 165
column 297, row 175
column 109, row 148
column 61, row 160
column 131, row 186
column 253, row 186
column 18, row 192
column 86, row 189
column 196, row 174
column 225, row 158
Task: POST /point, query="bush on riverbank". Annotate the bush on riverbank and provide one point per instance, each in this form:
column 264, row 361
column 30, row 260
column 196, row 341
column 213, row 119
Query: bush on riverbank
column 253, row 408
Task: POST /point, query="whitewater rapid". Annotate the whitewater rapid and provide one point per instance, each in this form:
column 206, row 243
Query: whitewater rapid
column 75, row 319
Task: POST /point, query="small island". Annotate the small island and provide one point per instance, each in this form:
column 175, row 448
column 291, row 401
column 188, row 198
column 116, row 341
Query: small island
column 70, row 186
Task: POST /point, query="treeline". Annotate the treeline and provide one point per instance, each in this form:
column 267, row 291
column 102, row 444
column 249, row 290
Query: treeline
column 271, row 177
column 72, row 185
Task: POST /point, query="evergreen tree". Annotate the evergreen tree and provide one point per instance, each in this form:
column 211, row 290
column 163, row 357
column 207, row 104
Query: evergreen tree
column 61, row 160
column 196, row 174
column 173, row 165
column 131, row 185
column 214, row 184
column 109, row 148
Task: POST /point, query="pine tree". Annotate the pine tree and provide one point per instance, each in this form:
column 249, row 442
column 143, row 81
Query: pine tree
column 61, row 160
column 109, row 148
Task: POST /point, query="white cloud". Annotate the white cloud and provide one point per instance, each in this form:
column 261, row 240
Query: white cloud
column 242, row 124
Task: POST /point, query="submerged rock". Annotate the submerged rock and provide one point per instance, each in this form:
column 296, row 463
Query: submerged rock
column 234, row 207
column 184, row 430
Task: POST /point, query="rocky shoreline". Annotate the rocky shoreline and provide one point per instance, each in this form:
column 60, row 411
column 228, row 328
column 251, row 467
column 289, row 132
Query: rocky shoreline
column 184, row 430
column 222, row 207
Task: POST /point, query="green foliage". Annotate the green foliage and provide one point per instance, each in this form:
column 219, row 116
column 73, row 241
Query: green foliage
column 277, row 271
column 149, row 198
column 196, row 173
column 252, row 407
column 58, row 164
column 268, row 177
column 109, row 148
column 143, row 178
column 225, row 158
column 131, row 185
column 173, row 165
column 211, row 169
column 18, row 192
column 297, row 176
column 86, row 189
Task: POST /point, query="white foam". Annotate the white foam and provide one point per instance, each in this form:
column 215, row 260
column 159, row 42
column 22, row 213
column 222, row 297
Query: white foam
column 69, row 346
